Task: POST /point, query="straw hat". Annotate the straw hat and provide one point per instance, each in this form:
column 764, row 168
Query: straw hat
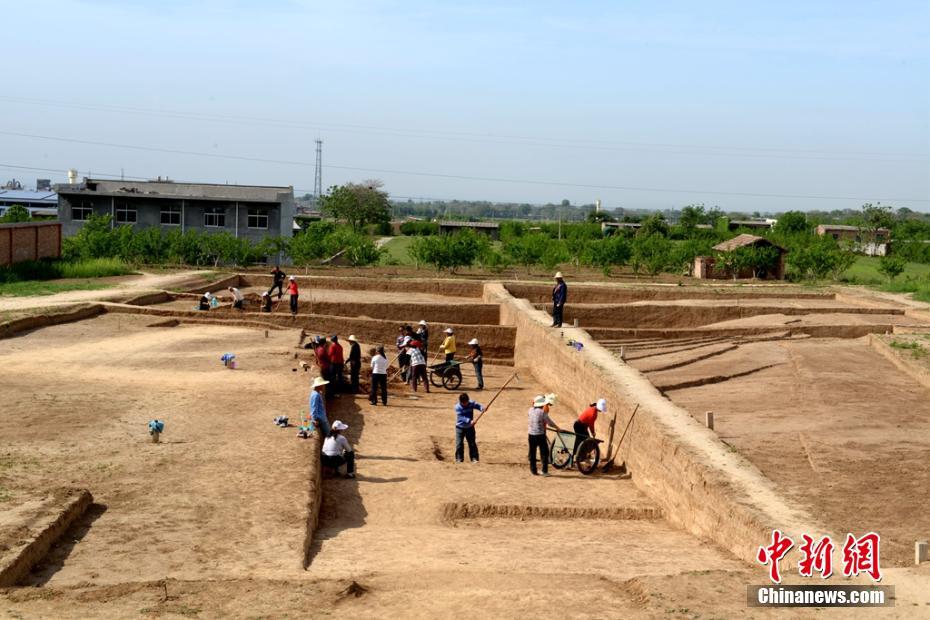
column 422, row 322
column 352, row 338
column 318, row 382
column 558, row 275
column 539, row 401
column 552, row 399
column 339, row 425
column 473, row 341
column 601, row 405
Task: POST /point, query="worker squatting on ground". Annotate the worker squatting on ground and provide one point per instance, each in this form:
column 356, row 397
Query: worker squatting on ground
column 277, row 281
column 417, row 365
column 379, row 368
column 294, row 293
column 448, row 345
column 355, row 362
column 238, row 297
column 336, row 364
column 206, row 301
column 266, row 302
column 337, row 451
column 477, row 360
column 465, row 428
column 538, row 420
column 318, row 406
column 559, row 297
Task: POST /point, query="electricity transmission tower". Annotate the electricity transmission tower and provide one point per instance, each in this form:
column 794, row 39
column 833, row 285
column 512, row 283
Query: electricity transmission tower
column 318, row 172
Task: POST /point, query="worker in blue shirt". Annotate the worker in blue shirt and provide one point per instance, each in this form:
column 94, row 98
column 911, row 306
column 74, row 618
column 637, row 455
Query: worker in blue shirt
column 465, row 428
column 318, row 407
column 559, row 297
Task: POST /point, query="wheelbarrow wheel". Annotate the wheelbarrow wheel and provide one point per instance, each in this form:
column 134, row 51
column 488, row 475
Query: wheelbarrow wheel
column 588, row 457
column 452, row 379
column 561, row 456
column 436, row 381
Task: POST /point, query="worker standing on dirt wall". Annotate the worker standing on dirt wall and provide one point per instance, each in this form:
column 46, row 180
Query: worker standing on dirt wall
column 539, row 419
column 277, row 281
column 337, row 363
column 559, row 297
column 318, row 407
column 448, row 345
column 294, row 293
column 465, row 428
column 477, row 360
column 355, row 362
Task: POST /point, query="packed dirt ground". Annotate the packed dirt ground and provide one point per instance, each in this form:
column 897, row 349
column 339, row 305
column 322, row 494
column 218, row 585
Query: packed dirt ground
column 211, row 521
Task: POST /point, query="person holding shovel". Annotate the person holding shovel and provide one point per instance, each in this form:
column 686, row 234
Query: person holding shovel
column 465, row 428
column 539, row 419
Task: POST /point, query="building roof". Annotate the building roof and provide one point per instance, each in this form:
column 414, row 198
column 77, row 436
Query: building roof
column 844, row 228
column 173, row 189
column 49, row 198
column 453, row 223
column 751, row 223
column 740, row 241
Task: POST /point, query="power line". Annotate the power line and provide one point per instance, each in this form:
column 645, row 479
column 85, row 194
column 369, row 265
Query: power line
column 492, row 138
column 458, row 176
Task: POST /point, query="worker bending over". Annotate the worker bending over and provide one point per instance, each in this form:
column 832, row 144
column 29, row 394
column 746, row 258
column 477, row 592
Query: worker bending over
column 337, row 451
column 584, row 425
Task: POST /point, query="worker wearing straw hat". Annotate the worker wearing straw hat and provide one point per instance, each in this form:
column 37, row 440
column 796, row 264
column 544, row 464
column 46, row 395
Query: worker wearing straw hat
column 355, row 362
column 559, row 297
column 477, row 360
column 448, row 345
column 538, row 420
column 318, row 406
column 423, row 335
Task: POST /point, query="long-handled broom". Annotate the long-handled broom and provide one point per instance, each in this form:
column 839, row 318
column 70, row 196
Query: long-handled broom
column 610, row 462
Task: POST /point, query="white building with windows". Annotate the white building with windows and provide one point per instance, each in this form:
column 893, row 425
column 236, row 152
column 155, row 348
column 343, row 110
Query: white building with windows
column 248, row 211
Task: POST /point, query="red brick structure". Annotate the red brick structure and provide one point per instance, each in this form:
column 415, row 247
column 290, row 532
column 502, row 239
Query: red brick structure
column 29, row 241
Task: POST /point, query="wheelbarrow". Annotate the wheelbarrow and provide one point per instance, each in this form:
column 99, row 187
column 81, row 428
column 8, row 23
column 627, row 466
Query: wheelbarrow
column 446, row 374
column 567, row 448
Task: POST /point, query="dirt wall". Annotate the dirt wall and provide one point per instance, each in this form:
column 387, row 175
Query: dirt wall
column 496, row 340
column 914, row 369
column 434, row 314
column 15, row 327
column 217, row 285
column 700, row 485
column 647, row 315
column 314, row 496
column 41, row 532
column 436, row 286
column 149, row 299
column 581, row 293
column 816, row 331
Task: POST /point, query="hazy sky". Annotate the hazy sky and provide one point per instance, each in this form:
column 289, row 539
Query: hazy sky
column 530, row 101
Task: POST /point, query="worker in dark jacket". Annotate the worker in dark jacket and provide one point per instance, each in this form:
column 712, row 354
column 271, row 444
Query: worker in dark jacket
column 559, row 297
column 355, row 362
column 277, row 281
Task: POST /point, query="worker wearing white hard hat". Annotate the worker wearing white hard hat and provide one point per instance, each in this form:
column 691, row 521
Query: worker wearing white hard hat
column 448, row 345
column 477, row 359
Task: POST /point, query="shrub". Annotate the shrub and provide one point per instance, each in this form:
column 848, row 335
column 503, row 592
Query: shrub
column 419, row 228
column 892, row 266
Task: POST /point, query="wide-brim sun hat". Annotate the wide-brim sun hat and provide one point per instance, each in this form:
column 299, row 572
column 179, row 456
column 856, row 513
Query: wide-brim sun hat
column 422, row 322
column 319, row 381
column 352, row 338
column 339, row 425
column 449, row 330
column 558, row 274
column 601, row 405
column 539, row 401
column 552, row 398
column 473, row 341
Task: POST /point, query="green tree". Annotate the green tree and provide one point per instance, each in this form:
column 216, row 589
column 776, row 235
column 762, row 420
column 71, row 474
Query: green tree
column 691, row 216
column 607, row 253
column 892, row 266
column 14, row 214
column 875, row 217
column 527, row 250
column 652, row 252
column 655, row 224
column 792, row 223
column 358, row 204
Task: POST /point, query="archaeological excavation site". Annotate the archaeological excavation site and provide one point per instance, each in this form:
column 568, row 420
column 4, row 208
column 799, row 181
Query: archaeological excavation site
column 732, row 410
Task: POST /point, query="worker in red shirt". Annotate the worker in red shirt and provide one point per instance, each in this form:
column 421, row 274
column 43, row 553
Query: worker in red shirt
column 584, row 425
column 293, row 292
column 336, row 363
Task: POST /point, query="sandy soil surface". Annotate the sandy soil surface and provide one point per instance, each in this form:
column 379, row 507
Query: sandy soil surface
column 218, row 508
column 833, row 318
column 341, row 296
column 123, row 285
column 832, row 422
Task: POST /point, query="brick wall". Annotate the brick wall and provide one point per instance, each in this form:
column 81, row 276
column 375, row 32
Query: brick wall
column 29, row 241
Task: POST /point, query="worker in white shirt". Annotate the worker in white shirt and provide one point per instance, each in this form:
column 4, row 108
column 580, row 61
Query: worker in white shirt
column 379, row 368
column 238, row 297
column 337, row 451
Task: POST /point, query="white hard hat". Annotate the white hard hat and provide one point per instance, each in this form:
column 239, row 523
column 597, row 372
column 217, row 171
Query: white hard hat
column 449, row 330
column 601, row 405
column 339, row 425
column 473, row 341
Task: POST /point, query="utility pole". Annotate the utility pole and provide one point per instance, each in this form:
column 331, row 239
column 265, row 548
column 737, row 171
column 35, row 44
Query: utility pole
column 318, row 173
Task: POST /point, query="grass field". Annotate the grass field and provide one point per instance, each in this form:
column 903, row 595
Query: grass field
column 395, row 251
column 915, row 279
column 45, row 287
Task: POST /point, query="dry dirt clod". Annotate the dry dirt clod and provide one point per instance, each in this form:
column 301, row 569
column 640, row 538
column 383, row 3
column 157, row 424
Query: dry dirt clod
column 355, row 589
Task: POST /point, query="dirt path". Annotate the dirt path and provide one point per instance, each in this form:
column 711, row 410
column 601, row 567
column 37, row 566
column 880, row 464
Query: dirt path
column 145, row 281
